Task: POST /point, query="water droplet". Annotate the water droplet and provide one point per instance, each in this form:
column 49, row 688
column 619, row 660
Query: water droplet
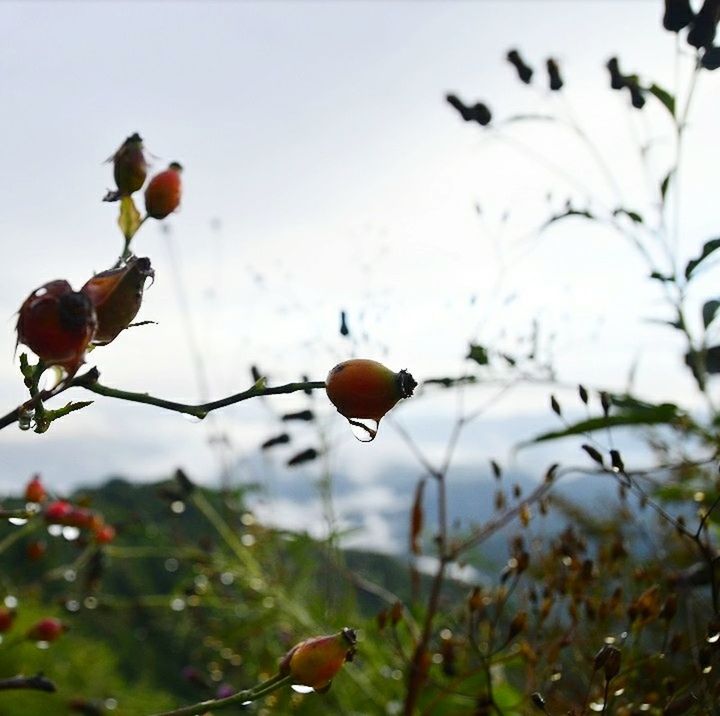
column 55, row 530
column 177, row 507
column 556, row 676
column 610, row 640
column 177, row 604
column 227, row 578
column 618, row 692
column 11, row 602
column 248, row 540
column 18, row 521
column 42, row 644
column 171, row 564
column 70, row 533
column 32, row 508
column 364, row 429
column 72, row 605
column 707, row 669
column 597, row 706
column 246, row 703
column 191, row 418
column 70, row 575
column 268, row 602
column 90, row 602
column 302, row 689
column 713, row 638
column 111, row 704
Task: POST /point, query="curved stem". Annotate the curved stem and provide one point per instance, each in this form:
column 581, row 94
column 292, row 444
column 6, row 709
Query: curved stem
column 89, row 382
column 267, row 687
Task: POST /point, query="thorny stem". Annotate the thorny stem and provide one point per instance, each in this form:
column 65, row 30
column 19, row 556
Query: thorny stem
column 257, row 692
column 89, row 379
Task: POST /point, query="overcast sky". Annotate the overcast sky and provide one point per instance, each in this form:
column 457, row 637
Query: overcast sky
column 324, row 171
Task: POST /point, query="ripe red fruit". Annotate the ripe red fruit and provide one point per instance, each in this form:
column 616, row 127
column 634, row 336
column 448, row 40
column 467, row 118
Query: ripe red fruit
column 314, row 662
column 104, row 534
column 36, row 550
column 7, row 617
column 57, row 324
column 47, row 629
column 58, row 512
column 34, row 490
column 116, row 295
column 162, row 194
column 365, row 389
column 129, row 167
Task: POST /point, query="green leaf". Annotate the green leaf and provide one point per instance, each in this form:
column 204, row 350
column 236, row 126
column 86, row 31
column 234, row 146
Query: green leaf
column 664, row 96
column 632, row 215
column 129, row 219
column 663, row 414
column 709, row 310
column 479, row 354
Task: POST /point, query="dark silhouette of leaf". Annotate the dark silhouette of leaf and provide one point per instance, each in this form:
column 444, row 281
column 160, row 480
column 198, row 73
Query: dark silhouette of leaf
column 664, row 96
column 709, row 359
column 708, row 248
column 305, row 415
column 704, row 24
column 479, row 354
column 632, row 215
column 711, row 58
column 281, row 439
column 678, row 14
column 302, row 457
column 665, row 184
column 661, row 277
column 709, row 310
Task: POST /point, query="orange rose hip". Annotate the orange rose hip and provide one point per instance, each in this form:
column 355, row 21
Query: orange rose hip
column 365, row 389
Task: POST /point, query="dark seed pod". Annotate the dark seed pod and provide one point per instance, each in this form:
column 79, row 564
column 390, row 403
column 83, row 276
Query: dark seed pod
column 617, row 81
column 556, row 82
column 525, row 72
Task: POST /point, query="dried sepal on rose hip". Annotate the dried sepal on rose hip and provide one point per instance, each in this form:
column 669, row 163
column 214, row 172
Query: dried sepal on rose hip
column 116, row 295
column 57, row 324
column 162, row 194
column 315, row 661
column 365, row 389
column 129, row 168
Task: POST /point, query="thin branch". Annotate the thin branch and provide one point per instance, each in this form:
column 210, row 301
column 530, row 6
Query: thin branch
column 36, row 683
column 267, row 687
column 89, row 382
